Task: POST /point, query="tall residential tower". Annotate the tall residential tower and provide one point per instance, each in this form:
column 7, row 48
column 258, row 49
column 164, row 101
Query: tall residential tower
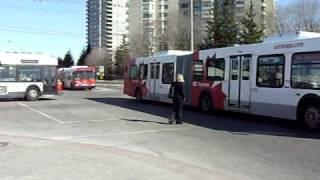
column 106, row 23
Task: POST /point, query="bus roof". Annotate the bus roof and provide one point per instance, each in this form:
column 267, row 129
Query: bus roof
column 289, row 43
column 27, row 59
column 77, row 68
column 172, row 52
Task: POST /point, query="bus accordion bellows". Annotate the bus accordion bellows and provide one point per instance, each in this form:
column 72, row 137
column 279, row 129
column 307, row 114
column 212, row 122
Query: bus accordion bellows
column 29, row 76
column 277, row 78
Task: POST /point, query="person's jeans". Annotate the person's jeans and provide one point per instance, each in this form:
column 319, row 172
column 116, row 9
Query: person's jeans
column 178, row 108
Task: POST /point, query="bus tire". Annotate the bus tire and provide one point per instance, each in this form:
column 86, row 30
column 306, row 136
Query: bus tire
column 138, row 95
column 206, row 103
column 32, row 94
column 311, row 116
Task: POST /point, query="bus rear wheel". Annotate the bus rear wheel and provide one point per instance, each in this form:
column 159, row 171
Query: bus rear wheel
column 32, row 94
column 311, row 117
column 206, row 103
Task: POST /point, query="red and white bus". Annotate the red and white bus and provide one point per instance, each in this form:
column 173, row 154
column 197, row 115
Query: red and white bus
column 29, row 76
column 278, row 78
column 78, row 77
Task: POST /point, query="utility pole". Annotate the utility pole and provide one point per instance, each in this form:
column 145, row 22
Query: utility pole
column 191, row 28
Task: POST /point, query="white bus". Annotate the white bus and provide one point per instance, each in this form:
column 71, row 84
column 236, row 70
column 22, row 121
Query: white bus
column 29, row 76
column 278, row 78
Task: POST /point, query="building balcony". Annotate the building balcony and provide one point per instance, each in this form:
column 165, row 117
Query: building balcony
column 264, row 4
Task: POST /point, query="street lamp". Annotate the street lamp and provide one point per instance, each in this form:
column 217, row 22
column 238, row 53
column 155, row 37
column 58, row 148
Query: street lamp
column 191, row 28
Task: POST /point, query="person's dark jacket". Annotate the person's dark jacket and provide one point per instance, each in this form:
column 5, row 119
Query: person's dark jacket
column 176, row 90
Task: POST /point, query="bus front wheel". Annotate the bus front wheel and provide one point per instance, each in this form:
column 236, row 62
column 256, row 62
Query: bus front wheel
column 32, row 94
column 311, row 117
column 206, row 103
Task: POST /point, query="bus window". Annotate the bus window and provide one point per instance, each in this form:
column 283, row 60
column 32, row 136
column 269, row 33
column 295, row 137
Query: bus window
column 167, row 73
column 143, row 71
column 133, row 72
column 198, row 70
column 306, row 71
column 246, row 69
column 270, row 71
column 215, row 70
column 8, row 74
column 234, row 69
column 29, row 73
column 155, row 70
column 49, row 74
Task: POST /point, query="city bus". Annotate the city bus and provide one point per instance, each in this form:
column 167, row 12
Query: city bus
column 78, row 77
column 29, row 76
column 277, row 78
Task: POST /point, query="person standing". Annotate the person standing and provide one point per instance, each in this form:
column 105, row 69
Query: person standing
column 177, row 94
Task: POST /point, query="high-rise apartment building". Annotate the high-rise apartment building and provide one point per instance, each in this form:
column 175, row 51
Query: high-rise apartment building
column 148, row 24
column 265, row 14
column 106, row 23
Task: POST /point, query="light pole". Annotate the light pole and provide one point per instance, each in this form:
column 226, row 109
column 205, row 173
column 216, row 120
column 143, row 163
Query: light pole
column 191, row 28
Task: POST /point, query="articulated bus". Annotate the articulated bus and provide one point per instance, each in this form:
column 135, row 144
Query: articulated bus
column 29, row 76
column 278, row 78
column 78, row 77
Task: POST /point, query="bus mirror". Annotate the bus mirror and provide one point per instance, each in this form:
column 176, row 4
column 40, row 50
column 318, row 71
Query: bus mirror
column 0, row 63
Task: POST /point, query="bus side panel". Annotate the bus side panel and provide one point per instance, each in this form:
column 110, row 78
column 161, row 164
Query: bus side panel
column 218, row 96
column 275, row 102
column 130, row 85
column 184, row 66
column 17, row 90
column 10, row 90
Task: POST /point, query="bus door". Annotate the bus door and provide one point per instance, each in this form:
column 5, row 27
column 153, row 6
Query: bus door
column 49, row 80
column 167, row 77
column 154, row 80
column 239, row 83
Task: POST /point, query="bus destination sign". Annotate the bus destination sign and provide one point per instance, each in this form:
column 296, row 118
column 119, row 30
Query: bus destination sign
column 29, row 61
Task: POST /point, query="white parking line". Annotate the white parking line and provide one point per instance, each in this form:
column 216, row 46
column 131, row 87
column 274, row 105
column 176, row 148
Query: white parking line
column 124, row 133
column 41, row 113
column 89, row 121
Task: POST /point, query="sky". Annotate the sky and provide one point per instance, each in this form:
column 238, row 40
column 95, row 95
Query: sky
column 48, row 26
column 283, row 2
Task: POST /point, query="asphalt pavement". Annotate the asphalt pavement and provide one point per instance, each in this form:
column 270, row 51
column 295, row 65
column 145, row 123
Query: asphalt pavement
column 102, row 134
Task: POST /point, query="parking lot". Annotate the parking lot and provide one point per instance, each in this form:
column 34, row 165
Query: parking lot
column 102, row 134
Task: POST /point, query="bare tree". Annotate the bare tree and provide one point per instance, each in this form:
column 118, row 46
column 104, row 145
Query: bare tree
column 140, row 44
column 300, row 15
column 99, row 57
column 179, row 33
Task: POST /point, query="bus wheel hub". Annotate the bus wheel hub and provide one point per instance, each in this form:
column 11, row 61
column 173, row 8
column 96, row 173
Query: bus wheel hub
column 312, row 117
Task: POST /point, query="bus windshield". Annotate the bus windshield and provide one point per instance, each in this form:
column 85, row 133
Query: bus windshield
column 306, row 71
column 84, row 74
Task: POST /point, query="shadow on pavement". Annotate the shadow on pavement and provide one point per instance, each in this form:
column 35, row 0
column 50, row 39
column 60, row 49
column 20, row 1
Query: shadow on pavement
column 139, row 120
column 235, row 123
column 22, row 99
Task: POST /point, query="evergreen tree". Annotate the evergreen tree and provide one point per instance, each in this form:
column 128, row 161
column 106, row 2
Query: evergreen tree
column 68, row 60
column 60, row 62
column 251, row 32
column 121, row 56
column 230, row 28
column 85, row 52
column 223, row 29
